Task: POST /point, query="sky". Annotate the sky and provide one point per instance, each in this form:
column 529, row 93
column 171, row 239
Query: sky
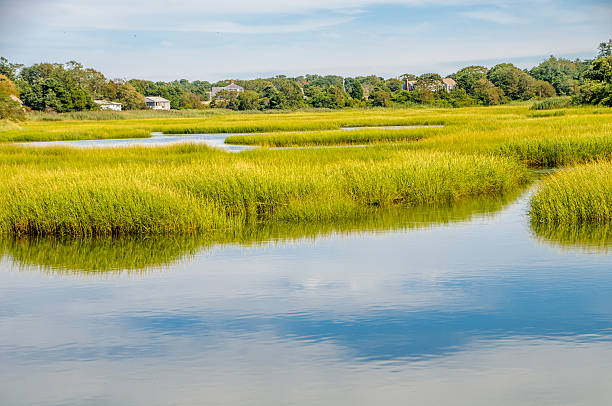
column 246, row 39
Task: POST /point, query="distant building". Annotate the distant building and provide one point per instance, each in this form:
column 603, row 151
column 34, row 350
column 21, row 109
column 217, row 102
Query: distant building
column 157, row 103
column 232, row 87
column 409, row 85
column 448, row 83
column 107, row 105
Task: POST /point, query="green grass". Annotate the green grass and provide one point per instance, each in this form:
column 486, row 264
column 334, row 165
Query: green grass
column 90, row 256
column 190, row 189
column 574, row 196
column 193, row 189
column 552, row 103
column 329, row 138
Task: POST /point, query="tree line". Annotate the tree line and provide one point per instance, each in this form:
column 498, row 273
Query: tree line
column 71, row 87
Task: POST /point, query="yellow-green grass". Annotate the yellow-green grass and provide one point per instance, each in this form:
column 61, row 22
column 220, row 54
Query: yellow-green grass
column 329, row 138
column 95, row 255
column 221, row 123
column 193, row 189
column 573, row 196
column 582, row 134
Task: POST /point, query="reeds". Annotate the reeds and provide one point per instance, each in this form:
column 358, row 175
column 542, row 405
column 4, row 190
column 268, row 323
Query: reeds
column 192, row 189
column 578, row 195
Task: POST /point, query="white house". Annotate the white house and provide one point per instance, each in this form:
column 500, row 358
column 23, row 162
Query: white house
column 157, row 103
column 449, row 84
column 232, row 87
column 107, row 105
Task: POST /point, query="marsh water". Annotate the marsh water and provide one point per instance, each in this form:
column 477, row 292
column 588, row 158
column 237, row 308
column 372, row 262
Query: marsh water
column 216, row 140
column 468, row 305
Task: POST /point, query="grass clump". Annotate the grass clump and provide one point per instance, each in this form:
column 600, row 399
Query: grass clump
column 328, row 138
column 195, row 190
column 579, row 195
column 552, row 103
column 559, row 151
column 103, row 255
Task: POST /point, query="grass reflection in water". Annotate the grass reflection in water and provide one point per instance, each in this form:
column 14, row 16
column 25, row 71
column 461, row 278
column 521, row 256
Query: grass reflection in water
column 96, row 256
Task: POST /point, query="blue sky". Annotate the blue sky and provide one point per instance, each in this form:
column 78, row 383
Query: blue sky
column 212, row 40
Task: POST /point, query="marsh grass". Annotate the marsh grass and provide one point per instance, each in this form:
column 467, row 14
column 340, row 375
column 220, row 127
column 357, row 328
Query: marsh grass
column 329, row 138
column 575, row 196
column 193, row 189
column 552, row 103
column 95, row 256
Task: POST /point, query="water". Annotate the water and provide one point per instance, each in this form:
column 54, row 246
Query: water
column 212, row 140
column 466, row 306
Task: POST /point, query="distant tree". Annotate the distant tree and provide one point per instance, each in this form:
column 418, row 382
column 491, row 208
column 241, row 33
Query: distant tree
column 516, row 84
column 487, row 93
column 380, row 96
column 57, row 87
column 225, row 100
column 357, row 91
column 430, row 81
column 458, row 97
column 597, row 86
column 353, row 88
column 562, row 74
column 130, row 99
column 467, row 77
column 543, row 89
column 249, row 100
column 394, row 84
column 9, row 69
column 605, row 48
column 9, row 109
column 408, row 76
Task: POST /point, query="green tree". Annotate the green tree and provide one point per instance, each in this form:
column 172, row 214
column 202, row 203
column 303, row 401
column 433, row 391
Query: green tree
column 128, row 96
column 9, row 69
column 10, row 109
column 605, row 48
column 467, row 77
column 225, row 100
column 249, row 100
column 430, row 81
column 597, row 86
column 516, row 84
column 487, row 93
column 562, row 74
column 380, row 97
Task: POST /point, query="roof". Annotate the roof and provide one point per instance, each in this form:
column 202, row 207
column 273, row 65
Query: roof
column 155, row 99
column 106, row 102
column 449, row 81
column 231, row 86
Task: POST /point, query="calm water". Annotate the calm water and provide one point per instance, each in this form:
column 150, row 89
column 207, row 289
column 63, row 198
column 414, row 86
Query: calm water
column 468, row 306
column 212, row 140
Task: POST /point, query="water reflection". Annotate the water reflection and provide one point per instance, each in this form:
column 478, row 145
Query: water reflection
column 141, row 254
column 457, row 306
column 581, row 237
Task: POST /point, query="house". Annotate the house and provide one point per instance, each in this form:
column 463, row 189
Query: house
column 232, row 87
column 409, row 85
column 157, row 103
column 449, row 84
column 107, row 105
